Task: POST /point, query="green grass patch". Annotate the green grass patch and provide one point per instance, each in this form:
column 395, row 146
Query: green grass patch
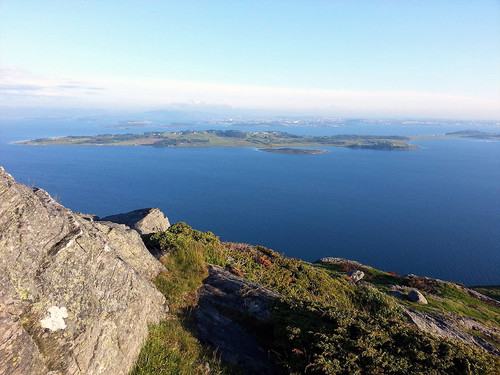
column 458, row 301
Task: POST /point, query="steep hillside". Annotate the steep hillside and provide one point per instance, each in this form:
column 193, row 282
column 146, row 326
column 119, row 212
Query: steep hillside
column 314, row 318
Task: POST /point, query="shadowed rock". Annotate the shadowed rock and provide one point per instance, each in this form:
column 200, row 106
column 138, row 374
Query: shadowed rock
column 75, row 295
column 145, row 220
column 226, row 303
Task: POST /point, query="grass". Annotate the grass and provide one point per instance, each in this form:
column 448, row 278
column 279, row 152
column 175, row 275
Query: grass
column 172, row 347
column 372, row 275
column 460, row 302
column 446, row 297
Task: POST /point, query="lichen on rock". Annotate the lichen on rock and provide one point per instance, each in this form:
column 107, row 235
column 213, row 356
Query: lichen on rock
column 55, row 320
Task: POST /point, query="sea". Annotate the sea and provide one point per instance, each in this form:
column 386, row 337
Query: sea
column 433, row 212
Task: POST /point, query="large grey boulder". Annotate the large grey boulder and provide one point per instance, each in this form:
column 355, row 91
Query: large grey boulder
column 145, row 220
column 75, row 295
column 417, row 297
column 225, row 301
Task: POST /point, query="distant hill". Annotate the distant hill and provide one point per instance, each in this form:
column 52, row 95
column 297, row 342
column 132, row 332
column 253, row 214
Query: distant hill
column 475, row 134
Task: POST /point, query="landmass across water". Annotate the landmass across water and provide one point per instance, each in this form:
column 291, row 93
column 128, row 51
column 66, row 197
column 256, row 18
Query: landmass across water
column 269, row 141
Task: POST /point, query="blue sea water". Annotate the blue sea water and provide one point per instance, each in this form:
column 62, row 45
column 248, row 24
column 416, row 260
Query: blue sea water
column 433, row 211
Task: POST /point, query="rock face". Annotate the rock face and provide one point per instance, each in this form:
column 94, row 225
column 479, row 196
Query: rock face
column 75, row 295
column 226, row 301
column 145, row 220
column 453, row 328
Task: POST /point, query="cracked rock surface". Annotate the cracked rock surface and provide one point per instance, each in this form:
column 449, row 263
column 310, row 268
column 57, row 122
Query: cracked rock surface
column 75, row 295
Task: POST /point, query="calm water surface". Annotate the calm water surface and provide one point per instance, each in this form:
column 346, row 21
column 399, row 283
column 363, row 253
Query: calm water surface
column 434, row 211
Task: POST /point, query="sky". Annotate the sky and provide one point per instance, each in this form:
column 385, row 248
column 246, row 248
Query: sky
column 421, row 59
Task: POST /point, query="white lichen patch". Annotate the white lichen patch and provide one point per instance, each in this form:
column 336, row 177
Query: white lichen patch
column 55, row 321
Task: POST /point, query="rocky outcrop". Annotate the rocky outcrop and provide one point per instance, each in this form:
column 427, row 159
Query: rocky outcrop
column 348, row 262
column 228, row 305
column 453, row 328
column 75, row 294
column 145, row 220
column 407, row 293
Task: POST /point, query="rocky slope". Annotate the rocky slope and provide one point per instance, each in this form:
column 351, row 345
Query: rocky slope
column 335, row 316
column 437, row 321
column 75, row 294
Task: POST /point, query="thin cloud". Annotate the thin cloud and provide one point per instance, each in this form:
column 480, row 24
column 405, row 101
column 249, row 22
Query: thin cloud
column 19, row 87
column 152, row 93
column 70, row 87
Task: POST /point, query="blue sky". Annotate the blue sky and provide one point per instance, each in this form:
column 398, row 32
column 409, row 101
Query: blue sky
column 360, row 58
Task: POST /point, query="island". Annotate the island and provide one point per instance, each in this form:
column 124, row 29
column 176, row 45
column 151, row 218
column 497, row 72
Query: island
column 270, row 141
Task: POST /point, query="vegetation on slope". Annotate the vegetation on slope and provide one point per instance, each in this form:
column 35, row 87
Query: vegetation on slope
column 323, row 322
column 443, row 297
column 171, row 347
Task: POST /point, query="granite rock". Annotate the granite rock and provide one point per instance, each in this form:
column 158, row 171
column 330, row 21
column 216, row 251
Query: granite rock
column 75, row 294
column 144, row 221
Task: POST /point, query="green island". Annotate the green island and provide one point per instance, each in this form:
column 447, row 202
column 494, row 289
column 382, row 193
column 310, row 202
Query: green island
column 232, row 138
column 269, row 141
